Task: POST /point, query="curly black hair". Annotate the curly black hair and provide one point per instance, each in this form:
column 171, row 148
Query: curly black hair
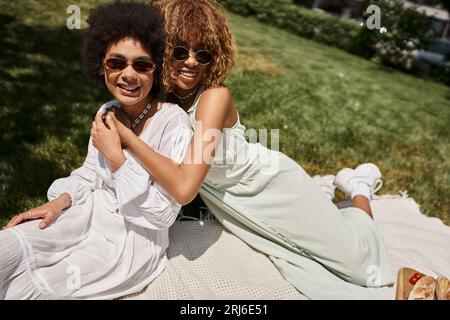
column 112, row 22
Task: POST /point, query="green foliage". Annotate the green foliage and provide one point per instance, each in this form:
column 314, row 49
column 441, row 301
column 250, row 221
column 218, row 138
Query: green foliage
column 301, row 21
column 407, row 30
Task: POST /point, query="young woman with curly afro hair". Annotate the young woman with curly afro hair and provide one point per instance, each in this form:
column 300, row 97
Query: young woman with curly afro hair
column 104, row 232
column 261, row 195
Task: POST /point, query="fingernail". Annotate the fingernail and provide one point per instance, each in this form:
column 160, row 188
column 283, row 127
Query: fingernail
column 42, row 225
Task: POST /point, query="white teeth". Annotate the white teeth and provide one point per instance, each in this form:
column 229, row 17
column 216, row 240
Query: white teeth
column 128, row 88
column 188, row 74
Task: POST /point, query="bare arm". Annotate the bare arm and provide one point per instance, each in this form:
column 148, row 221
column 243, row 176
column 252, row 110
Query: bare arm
column 183, row 180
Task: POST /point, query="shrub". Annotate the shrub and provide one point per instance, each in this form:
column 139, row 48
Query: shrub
column 407, row 30
column 301, row 21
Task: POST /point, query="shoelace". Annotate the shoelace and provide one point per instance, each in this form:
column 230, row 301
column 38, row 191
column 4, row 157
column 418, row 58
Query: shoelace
column 377, row 186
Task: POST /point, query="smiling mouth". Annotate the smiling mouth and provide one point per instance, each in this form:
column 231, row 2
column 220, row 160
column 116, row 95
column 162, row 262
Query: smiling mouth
column 190, row 74
column 128, row 87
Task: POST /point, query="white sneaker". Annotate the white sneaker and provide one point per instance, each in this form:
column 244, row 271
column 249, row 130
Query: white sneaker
column 327, row 184
column 348, row 179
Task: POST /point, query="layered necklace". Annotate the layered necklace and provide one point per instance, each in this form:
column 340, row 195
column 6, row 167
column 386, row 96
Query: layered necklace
column 141, row 115
column 182, row 99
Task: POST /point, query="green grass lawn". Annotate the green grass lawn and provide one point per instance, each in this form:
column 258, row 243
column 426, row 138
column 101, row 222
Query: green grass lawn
column 333, row 109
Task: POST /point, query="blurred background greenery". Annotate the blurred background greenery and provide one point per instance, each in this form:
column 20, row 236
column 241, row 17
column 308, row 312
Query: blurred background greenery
column 334, row 109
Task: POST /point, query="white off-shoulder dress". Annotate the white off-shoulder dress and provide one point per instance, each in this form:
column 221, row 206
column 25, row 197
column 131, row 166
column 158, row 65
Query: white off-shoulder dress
column 112, row 240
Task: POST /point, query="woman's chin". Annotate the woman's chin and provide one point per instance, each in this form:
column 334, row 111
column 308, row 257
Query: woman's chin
column 127, row 101
column 186, row 83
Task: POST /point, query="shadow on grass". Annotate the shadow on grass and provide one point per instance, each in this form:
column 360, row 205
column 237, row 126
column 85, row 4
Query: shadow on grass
column 45, row 95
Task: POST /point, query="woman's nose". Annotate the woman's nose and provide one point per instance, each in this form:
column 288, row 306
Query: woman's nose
column 191, row 61
column 129, row 73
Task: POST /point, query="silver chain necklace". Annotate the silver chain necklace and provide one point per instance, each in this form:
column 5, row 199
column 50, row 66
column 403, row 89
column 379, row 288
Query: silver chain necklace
column 141, row 115
column 183, row 98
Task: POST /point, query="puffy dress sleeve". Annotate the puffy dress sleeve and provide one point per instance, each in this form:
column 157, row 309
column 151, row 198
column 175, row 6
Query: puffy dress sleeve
column 78, row 185
column 141, row 200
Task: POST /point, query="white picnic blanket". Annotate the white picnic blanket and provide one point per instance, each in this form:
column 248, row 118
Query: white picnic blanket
column 413, row 239
column 208, row 262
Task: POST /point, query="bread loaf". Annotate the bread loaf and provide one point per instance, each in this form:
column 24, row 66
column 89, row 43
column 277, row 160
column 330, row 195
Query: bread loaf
column 423, row 289
column 442, row 288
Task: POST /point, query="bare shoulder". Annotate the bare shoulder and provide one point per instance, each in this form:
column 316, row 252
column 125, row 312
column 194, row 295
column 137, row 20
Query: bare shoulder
column 218, row 99
column 218, row 96
column 217, row 92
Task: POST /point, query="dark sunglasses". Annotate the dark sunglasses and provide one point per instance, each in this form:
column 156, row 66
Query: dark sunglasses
column 181, row 54
column 117, row 64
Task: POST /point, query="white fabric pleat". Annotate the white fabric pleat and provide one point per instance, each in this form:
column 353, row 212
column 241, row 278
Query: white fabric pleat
column 13, row 271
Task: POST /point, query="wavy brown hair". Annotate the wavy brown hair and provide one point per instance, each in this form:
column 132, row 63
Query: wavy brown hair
column 197, row 21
